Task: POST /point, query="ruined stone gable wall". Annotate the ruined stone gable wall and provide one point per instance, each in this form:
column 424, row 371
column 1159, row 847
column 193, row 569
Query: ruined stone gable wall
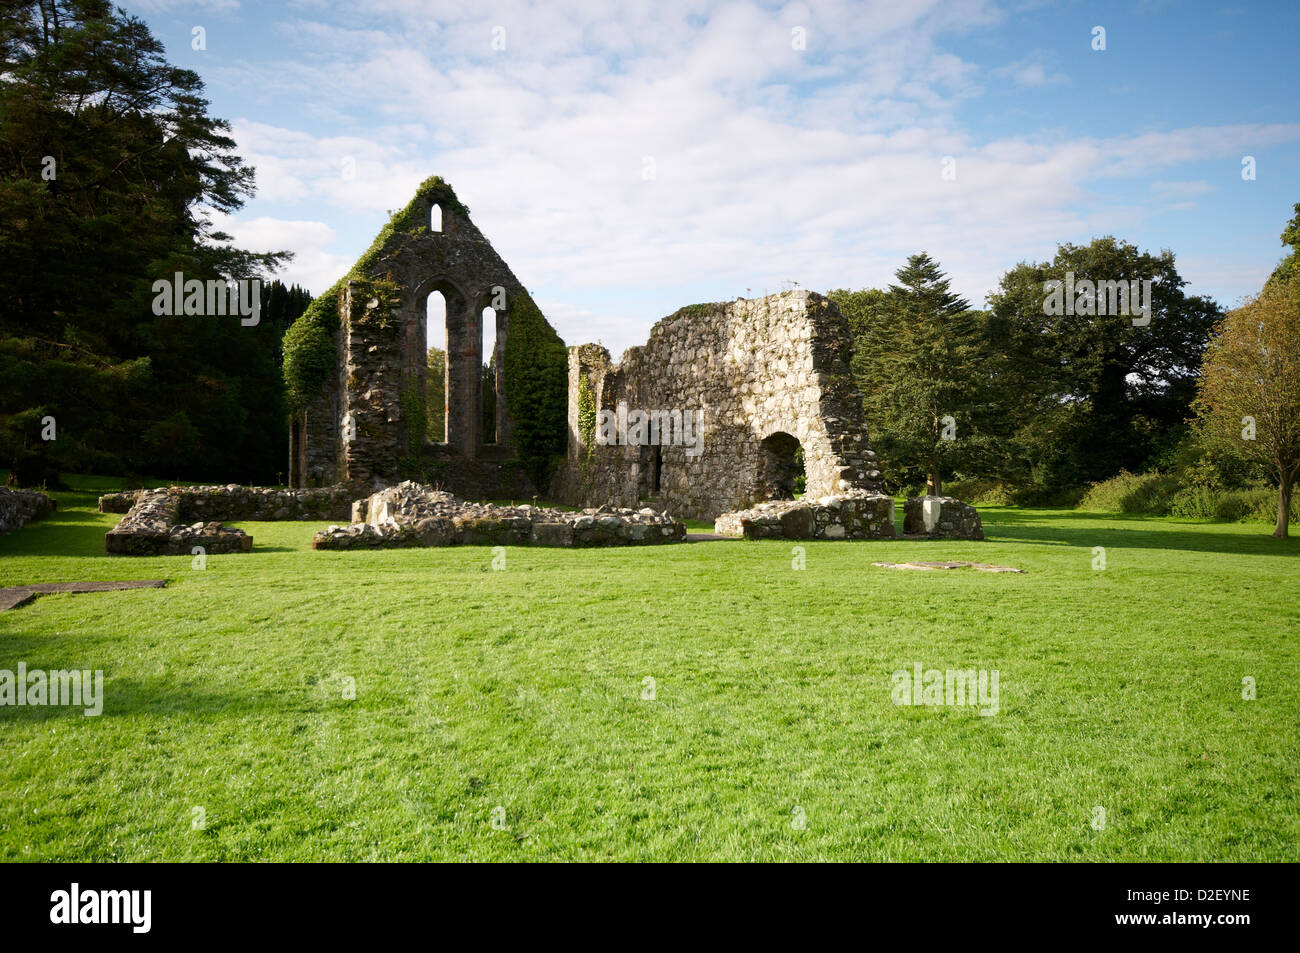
column 461, row 264
column 366, row 422
column 757, row 368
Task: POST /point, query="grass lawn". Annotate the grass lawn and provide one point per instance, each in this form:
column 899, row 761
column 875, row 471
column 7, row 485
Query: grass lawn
column 499, row 714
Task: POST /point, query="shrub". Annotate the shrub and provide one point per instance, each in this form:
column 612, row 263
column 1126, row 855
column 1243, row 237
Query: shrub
column 1162, row 494
column 1148, row 493
column 977, row 491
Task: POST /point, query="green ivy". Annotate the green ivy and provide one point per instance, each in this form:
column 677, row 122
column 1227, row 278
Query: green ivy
column 311, row 343
column 537, row 389
column 414, row 415
column 587, row 421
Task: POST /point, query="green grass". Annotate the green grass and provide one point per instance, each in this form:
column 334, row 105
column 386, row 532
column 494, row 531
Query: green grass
column 521, row 689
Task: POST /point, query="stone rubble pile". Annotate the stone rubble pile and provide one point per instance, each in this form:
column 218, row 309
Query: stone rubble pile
column 941, row 517
column 19, row 507
column 852, row 515
column 153, row 527
column 410, row 514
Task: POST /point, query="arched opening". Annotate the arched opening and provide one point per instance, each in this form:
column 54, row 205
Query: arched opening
column 435, row 217
column 491, row 374
column 435, row 378
column 781, row 470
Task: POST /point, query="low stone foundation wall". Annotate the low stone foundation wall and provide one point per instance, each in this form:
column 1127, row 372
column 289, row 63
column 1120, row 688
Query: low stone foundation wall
column 856, row 516
column 118, row 502
column 414, row 515
column 941, row 517
column 234, row 502
column 20, row 507
column 153, row 527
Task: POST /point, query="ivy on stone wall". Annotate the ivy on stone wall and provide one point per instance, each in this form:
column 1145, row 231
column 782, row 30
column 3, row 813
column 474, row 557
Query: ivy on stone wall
column 586, row 421
column 537, row 384
column 311, row 343
column 415, row 415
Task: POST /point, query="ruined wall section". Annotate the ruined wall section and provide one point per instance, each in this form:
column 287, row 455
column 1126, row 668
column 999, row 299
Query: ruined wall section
column 757, row 368
column 459, row 262
column 367, row 420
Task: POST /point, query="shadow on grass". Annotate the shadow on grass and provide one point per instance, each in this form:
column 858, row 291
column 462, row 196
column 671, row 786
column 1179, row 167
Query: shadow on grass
column 62, row 533
column 1059, row 528
column 126, row 697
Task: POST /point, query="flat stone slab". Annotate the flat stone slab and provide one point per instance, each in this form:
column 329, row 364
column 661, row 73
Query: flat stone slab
column 16, row 596
column 13, row 598
column 709, row 537
column 982, row 567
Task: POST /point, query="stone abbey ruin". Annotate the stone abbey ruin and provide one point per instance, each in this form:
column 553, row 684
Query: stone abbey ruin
column 719, row 416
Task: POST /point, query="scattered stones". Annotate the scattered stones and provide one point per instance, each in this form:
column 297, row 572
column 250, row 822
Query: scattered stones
column 15, row 596
column 941, row 517
column 20, row 507
column 411, row 514
column 982, row 567
column 854, row 515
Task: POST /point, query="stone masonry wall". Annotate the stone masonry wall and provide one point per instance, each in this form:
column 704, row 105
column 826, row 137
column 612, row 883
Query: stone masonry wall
column 19, row 507
column 355, row 430
column 759, row 369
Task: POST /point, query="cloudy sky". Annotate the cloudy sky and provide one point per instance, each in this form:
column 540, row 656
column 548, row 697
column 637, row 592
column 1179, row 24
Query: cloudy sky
column 627, row 158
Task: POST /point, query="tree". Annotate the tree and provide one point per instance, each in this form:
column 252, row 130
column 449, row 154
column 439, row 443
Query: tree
column 107, row 158
column 916, row 358
column 1289, row 266
column 1090, row 393
column 1249, row 395
column 435, row 395
column 488, row 392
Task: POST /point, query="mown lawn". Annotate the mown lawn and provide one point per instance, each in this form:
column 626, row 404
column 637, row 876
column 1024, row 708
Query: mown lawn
column 499, row 714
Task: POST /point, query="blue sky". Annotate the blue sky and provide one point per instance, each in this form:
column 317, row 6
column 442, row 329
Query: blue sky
column 771, row 164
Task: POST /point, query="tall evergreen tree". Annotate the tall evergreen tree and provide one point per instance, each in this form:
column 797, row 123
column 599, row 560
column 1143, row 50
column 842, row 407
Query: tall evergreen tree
column 107, row 157
column 916, row 356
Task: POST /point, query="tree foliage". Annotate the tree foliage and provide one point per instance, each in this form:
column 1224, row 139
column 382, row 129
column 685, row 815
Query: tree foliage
column 108, row 157
column 917, row 358
column 1085, row 395
column 1249, row 394
column 1289, row 267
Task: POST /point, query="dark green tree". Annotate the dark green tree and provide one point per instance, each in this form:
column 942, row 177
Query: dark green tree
column 107, row 157
column 1086, row 395
column 917, row 360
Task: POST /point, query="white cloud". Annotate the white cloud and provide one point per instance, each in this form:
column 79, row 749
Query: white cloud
column 771, row 163
column 1032, row 71
column 314, row 266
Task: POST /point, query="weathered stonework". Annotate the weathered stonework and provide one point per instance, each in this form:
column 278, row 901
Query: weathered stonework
column 235, row 502
column 941, row 517
column 20, row 507
column 853, row 516
column 413, row 515
column 153, row 527
column 356, row 431
column 173, row 520
column 771, row 375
